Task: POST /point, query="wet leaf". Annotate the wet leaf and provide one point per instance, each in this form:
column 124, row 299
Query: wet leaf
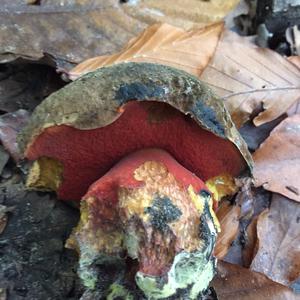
column 228, row 216
column 246, row 76
column 278, row 255
column 10, row 126
column 162, row 43
column 235, row 282
column 73, row 30
column 277, row 161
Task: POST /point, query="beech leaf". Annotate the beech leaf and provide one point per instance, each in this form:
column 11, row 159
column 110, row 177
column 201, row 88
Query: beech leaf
column 295, row 60
column 278, row 255
column 277, row 161
column 249, row 248
column 165, row 44
column 246, row 76
column 73, row 30
column 235, row 282
column 228, row 216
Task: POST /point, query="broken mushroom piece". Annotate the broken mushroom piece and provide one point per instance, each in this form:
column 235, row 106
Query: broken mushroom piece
column 149, row 219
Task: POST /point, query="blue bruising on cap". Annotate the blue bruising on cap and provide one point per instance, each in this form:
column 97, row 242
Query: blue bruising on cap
column 139, row 91
column 207, row 115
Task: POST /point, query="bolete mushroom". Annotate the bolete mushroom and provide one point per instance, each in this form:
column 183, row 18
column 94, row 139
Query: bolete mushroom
column 136, row 141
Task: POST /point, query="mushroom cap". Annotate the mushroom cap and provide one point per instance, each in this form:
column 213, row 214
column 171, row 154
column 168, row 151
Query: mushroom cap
column 92, row 123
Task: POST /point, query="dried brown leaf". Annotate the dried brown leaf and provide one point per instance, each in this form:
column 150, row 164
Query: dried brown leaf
column 249, row 249
column 277, row 161
column 295, row 109
column 10, row 126
column 295, row 60
column 246, row 76
column 235, row 282
column 245, row 198
column 74, row 30
column 3, row 294
column 162, row 43
column 228, row 216
column 25, row 85
column 292, row 35
column 4, row 157
column 3, row 216
column 182, row 13
column 255, row 135
column 278, row 255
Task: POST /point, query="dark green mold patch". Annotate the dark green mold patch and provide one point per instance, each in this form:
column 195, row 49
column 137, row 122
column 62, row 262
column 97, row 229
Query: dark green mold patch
column 139, row 91
column 162, row 212
column 208, row 116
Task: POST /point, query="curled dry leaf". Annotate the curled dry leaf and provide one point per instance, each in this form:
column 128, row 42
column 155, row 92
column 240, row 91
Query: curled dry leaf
column 73, row 30
column 277, row 161
column 10, row 125
column 240, row 72
column 235, row 282
column 278, row 255
column 228, row 216
column 162, row 43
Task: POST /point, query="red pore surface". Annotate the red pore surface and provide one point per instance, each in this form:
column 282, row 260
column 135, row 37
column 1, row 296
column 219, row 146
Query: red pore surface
column 88, row 154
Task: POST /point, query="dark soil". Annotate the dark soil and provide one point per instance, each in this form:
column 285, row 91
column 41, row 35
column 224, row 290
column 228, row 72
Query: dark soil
column 33, row 261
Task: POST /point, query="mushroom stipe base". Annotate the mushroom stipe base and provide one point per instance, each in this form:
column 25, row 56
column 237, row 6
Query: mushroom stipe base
column 150, row 209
